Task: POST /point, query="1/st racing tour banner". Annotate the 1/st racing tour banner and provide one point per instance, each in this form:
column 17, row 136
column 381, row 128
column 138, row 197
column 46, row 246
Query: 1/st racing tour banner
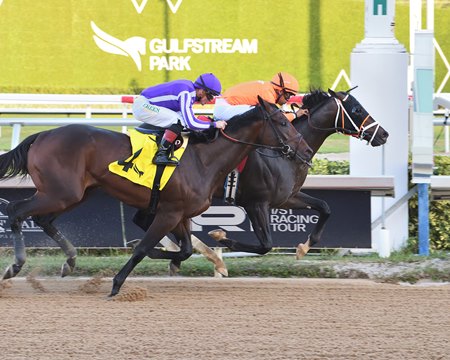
column 104, row 222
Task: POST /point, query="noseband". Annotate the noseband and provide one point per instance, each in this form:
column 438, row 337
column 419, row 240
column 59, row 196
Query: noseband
column 285, row 149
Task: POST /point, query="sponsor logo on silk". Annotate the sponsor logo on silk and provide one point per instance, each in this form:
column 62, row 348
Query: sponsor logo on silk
column 152, row 108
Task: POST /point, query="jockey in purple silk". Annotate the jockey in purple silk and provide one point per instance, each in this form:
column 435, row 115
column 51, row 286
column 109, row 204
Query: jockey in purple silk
column 169, row 105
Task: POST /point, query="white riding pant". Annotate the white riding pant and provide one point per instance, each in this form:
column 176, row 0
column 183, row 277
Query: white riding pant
column 225, row 111
column 155, row 115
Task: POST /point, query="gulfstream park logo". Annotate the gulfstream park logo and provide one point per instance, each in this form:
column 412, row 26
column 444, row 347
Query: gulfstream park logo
column 165, row 54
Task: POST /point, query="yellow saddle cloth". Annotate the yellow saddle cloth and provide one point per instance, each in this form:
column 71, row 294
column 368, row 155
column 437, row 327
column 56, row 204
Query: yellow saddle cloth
column 139, row 168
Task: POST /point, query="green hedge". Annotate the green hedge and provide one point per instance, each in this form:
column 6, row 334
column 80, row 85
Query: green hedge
column 439, row 210
column 439, row 214
column 328, row 167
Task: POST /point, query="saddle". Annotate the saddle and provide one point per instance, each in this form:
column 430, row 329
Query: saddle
column 144, row 217
column 204, row 136
column 158, row 132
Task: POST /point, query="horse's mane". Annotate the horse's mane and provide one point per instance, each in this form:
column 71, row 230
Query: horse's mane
column 234, row 124
column 239, row 121
column 314, row 98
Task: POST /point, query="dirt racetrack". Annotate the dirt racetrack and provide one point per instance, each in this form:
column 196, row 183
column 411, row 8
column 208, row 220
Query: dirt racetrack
column 210, row 318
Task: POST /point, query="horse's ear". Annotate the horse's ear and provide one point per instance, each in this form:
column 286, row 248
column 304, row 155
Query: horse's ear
column 262, row 102
column 332, row 93
column 353, row 88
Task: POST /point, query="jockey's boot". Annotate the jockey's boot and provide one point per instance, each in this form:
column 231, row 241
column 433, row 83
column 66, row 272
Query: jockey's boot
column 162, row 156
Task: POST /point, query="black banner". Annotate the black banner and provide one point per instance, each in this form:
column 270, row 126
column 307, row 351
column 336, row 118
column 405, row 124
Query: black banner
column 104, row 222
column 349, row 225
column 95, row 223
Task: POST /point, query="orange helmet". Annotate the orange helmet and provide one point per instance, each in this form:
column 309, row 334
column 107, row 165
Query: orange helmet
column 286, row 82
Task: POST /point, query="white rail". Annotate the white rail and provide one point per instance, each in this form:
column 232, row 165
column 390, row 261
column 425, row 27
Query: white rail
column 377, row 185
column 31, row 106
column 440, row 187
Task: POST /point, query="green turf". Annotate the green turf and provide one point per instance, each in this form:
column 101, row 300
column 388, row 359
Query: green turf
column 48, row 263
column 336, row 143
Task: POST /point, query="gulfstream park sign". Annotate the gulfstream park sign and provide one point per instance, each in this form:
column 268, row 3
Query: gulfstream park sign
column 169, row 54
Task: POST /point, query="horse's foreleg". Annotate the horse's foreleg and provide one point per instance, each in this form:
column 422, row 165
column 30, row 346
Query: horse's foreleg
column 138, row 254
column 210, row 255
column 182, row 249
column 19, row 243
column 160, row 227
column 46, row 223
column 183, row 235
column 304, row 201
column 259, row 216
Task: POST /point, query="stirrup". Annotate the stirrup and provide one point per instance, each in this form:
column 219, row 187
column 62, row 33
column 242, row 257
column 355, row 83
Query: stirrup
column 163, row 159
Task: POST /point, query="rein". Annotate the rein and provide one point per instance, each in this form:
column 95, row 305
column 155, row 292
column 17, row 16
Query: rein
column 285, row 149
column 296, row 155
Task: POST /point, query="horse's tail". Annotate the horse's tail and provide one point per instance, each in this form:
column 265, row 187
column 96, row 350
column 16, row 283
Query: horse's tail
column 14, row 162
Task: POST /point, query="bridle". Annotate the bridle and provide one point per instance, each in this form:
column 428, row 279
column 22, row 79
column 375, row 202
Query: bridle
column 284, row 148
column 341, row 116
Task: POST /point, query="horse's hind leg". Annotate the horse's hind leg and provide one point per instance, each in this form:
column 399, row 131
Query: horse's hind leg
column 198, row 245
column 19, row 243
column 187, row 241
column 304, row 201
column 39, row 203
column 46, row 223
column 258, row 214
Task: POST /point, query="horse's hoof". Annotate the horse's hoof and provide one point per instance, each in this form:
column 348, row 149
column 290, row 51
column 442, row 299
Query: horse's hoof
column 8, row 273
column 68, row 267
column 11, row 271
column 66, row 270
column 222, row 271
column 218, row 234
column 173, row 269
column 301, row 251
column 133, row 243
column 71, row 262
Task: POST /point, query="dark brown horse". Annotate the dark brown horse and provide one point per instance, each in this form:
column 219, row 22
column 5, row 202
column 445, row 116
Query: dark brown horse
column 328, row 113
column 65, row 163
column 270, row 182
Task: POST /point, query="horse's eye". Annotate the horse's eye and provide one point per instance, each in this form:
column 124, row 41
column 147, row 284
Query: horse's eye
column 356, row 110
